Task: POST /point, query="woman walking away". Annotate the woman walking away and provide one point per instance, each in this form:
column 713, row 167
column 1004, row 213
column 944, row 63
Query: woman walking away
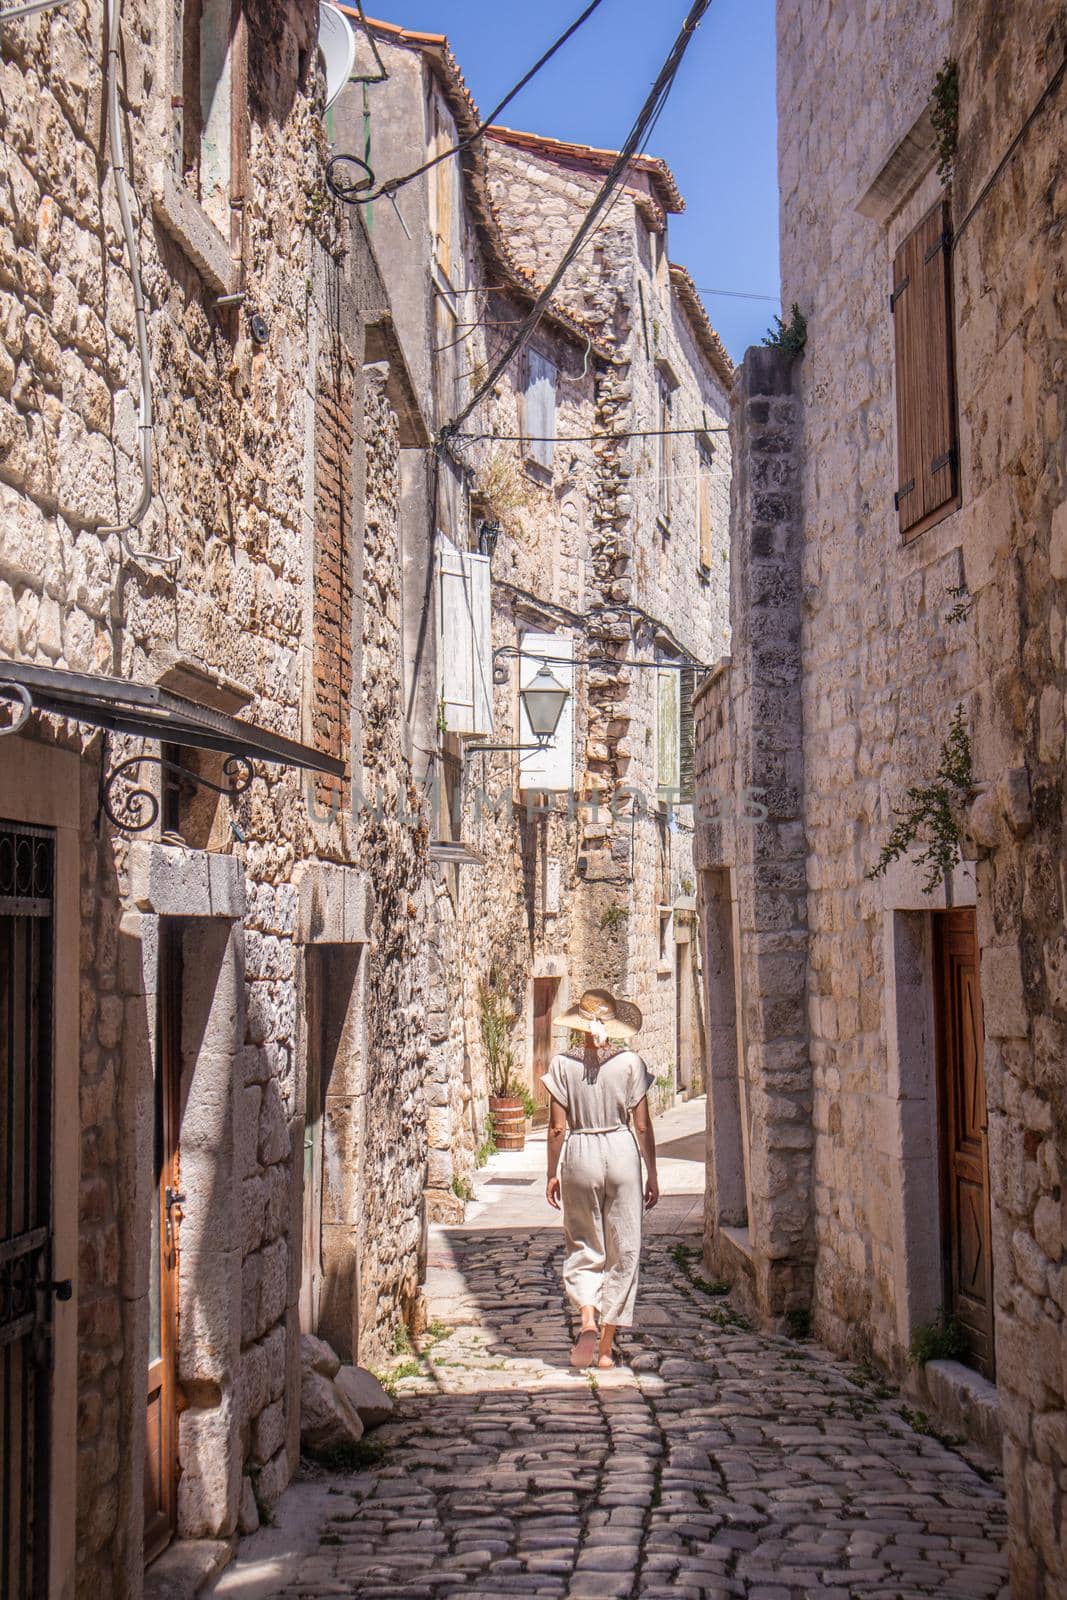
column 595, row 1087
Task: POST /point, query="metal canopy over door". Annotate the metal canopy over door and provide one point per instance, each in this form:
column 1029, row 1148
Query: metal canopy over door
column 27, row 875
column 161, row 1452
column 965, row 1216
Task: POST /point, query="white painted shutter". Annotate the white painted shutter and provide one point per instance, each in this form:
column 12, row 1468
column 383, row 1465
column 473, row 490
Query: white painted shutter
column 464, row 641
column 552, row 768
column 668, row 733
column 479, row 590
column 540, row 408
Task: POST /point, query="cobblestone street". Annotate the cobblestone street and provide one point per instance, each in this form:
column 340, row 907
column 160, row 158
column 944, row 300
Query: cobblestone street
column 718, row 1462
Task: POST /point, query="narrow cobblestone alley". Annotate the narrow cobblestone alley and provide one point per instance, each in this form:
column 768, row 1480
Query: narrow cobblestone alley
column 719, row 1462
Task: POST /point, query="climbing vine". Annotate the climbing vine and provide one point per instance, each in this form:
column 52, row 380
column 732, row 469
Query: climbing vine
column 945, row 116
column 932, row 810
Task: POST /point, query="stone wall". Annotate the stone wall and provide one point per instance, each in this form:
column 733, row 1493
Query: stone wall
column 750, row 855
column 393, row 837
column 256, row 882
column 639, row 571
column 1009, row 278
column 883, row 668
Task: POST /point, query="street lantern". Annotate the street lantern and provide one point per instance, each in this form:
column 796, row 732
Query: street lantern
column 544, row 698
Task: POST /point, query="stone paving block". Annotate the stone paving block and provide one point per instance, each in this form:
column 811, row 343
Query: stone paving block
column 725, row 1474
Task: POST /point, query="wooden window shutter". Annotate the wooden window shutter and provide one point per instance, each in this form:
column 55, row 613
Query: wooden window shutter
column 539, row 408
column 705, row 512
column 464, row 640
column 927, row 445
column 686, row 735
column 668, row 746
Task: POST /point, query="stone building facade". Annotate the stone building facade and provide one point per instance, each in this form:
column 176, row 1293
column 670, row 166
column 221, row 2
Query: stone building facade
column 886, row 1116
column 548, row 548
column 223, row 1025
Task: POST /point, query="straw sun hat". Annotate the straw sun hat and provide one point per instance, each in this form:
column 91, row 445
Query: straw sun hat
column 599, row 1013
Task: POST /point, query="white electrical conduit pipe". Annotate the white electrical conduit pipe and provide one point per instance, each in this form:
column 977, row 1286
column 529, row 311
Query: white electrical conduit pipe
column 28, row 11
column 122, row 194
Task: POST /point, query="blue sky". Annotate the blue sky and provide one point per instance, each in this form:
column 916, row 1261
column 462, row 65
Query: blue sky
column 717, row 132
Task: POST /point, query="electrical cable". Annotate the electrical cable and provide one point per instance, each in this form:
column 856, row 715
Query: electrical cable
column 651, row 109
column 582, row 438
column 363, row 192
column 742, row 294
column 393, row 184
column 122, row 194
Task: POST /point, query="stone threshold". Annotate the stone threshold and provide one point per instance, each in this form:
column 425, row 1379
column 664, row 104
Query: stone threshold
column 964, row 1401
column 185, row 1568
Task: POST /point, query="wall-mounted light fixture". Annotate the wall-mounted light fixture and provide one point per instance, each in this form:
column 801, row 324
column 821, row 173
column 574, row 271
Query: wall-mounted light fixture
column 543, row 700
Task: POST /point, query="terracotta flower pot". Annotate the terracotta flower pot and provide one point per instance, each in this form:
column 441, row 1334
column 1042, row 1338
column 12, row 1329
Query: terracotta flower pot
column 509, row 1122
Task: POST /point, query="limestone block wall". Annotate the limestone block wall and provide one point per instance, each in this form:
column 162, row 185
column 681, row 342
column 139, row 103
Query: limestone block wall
column 639, row 572
column 883, row 668
column 751, row 856
column 393, row 840
column 234, row 460
column 1009, row 273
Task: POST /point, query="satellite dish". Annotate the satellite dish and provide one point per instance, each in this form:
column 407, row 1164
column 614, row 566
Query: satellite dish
column 338, row 45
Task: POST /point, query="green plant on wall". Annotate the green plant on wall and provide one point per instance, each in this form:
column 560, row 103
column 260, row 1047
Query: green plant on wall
column 613, row 917
column 789, row 336
column 942, row 1340
column 496, row 1017
column 945, row 116
column 932, row 810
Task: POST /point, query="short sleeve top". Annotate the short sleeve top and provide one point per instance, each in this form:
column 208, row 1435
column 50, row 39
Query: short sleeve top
column 598, row 1097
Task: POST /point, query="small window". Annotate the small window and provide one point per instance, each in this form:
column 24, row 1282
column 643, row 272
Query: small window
column 704, row 509
column 664, row 447
column 927, row 442
column 539, row 409
column 214, row 108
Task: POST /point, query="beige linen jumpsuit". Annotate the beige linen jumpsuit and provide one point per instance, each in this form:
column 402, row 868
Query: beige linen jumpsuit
column 600, row 1179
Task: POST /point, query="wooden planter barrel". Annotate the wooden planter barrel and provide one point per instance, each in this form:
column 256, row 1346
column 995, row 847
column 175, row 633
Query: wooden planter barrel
column 509, row 1123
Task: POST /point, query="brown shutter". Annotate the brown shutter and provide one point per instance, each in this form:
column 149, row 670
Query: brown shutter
column 704, row 482
column 927, row 470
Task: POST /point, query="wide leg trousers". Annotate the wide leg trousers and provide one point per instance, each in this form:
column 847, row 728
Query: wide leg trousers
column 600, row 1186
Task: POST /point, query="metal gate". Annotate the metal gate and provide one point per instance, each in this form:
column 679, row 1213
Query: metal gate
column 27, row 874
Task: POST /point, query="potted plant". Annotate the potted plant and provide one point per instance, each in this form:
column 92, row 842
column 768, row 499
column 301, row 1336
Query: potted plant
column 506, row 1102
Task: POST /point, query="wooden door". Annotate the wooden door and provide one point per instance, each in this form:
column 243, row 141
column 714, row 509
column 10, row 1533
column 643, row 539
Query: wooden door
column 545, row 993
column 965, row 1216
column 27, row 872
column 161, row 1453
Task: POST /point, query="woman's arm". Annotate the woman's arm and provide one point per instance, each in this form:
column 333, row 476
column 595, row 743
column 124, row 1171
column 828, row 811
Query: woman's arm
column 557, row 1127
column 646, row 1140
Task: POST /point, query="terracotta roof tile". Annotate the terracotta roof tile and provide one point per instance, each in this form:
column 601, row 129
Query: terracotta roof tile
column 659, row 172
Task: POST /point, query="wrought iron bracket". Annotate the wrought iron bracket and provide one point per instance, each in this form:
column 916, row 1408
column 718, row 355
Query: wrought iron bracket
column 17, row 692
column 134, row 810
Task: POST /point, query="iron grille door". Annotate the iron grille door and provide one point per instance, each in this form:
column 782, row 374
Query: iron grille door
column 27, row 875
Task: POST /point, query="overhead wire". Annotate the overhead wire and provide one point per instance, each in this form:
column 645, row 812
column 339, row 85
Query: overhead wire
column 649, row 112
column 364, row 194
